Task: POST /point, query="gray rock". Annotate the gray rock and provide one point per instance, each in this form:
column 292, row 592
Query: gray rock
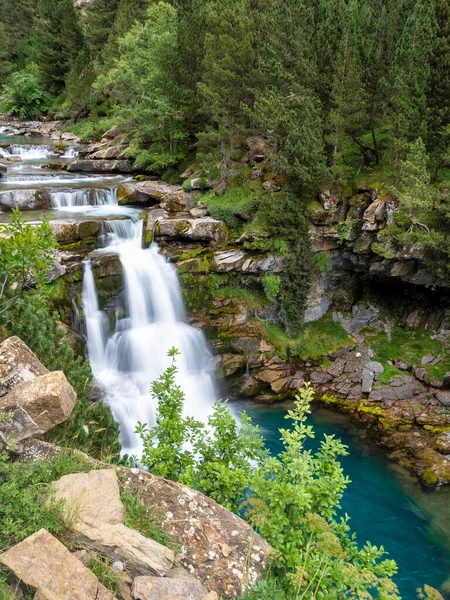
column 3, row 169
column 206, row 229
column 24, row 200
column 422, row 375
column 443, row 398
column 376, row 396
column 165, row 588
column 441, row 443
column 320, row 377
column 427, row 359
column 100, row 166
column 368, row 377
column 374, row 366
column 402, row 366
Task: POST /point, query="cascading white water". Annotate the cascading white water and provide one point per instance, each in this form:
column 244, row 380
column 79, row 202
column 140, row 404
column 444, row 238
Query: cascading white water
column 70, row 153
column 88, row 197
column 26, row 152
column 126, row 360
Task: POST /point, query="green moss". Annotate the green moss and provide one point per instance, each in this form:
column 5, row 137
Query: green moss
column 237, row 205
column 252, row 298
column 429, row 477
column 370, row 409
column 316, row 340
column 409, row 345
column 85, row 245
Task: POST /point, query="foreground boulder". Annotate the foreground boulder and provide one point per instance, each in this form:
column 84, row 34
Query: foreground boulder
column 17, row 364
column 48, row 400
column 95, row 499
column 218, row 547
column 100, row 166
column 42, row 562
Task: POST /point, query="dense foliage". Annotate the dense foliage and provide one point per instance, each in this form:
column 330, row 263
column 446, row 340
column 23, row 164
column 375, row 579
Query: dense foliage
column 292, row 499
column 26, row 256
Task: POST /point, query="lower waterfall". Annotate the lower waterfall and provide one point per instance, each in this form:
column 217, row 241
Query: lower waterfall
column 128, row 358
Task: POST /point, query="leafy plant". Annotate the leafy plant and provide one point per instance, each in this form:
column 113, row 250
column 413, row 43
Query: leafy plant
column 345, row 229
column 271, row 286
column 24, row 96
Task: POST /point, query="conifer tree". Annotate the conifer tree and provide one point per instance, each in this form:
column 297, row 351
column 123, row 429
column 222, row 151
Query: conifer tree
column 57, row 40
column 18, row 19
column 128, row 13
column 227, row 59
column 410, row 73
column 100, row 18
column 438, row 90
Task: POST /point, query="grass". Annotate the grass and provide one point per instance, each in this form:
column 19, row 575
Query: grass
column 236, row 205
column 410, row 346
column 103, row 570
column 90, row 131
column 252, row 298
column 317, row 339
column 26, row 503
column 140, row 518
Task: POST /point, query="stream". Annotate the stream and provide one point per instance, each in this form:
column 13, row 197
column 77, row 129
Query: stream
column 385, row 504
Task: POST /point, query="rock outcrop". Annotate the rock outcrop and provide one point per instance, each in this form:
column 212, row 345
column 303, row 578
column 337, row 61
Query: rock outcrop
column 100, row 166
column 44, row 563
column 217, row 546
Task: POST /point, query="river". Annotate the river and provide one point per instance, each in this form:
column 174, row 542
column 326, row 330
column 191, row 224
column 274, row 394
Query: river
column 386, row 506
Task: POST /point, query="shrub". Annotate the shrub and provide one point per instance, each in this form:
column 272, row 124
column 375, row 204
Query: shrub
column 24, row 96
column 271, row 286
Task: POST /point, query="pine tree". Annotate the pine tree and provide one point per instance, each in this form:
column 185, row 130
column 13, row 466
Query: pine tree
column 18, row 20
column 410, row 74
column 438, row 91
column 100, row 18
column 128, row 13
column 348, row 116
column 57, row 40
column 227, row 59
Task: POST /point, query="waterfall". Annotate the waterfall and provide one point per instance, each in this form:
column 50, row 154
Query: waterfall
column 88, row 197
column 70, row 153
column 26, row 152
column 127, row 359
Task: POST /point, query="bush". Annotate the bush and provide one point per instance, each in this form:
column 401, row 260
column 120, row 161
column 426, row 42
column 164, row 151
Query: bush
column 24, row 96
column 292, row 499
column 271, row 286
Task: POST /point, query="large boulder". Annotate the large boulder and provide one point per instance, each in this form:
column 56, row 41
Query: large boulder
column 218, row 547
column 17, row 364
column 197, row 230
column 100, row 166
column 95, row 499
column 171, row 197
column 69, row 231
column 42, row 562
column 24, row 200
column 48, row 400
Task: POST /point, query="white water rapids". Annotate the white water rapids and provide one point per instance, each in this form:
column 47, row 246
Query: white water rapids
column 126, row 360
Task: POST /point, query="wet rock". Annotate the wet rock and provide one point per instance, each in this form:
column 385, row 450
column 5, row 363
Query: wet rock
column 100, row 166
column 24, row 200
column 41, row 561
column 17, row 364
column 165, row 588
column 48, row 399
column 3, row 169
column 443, row 398
column 218, row 548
